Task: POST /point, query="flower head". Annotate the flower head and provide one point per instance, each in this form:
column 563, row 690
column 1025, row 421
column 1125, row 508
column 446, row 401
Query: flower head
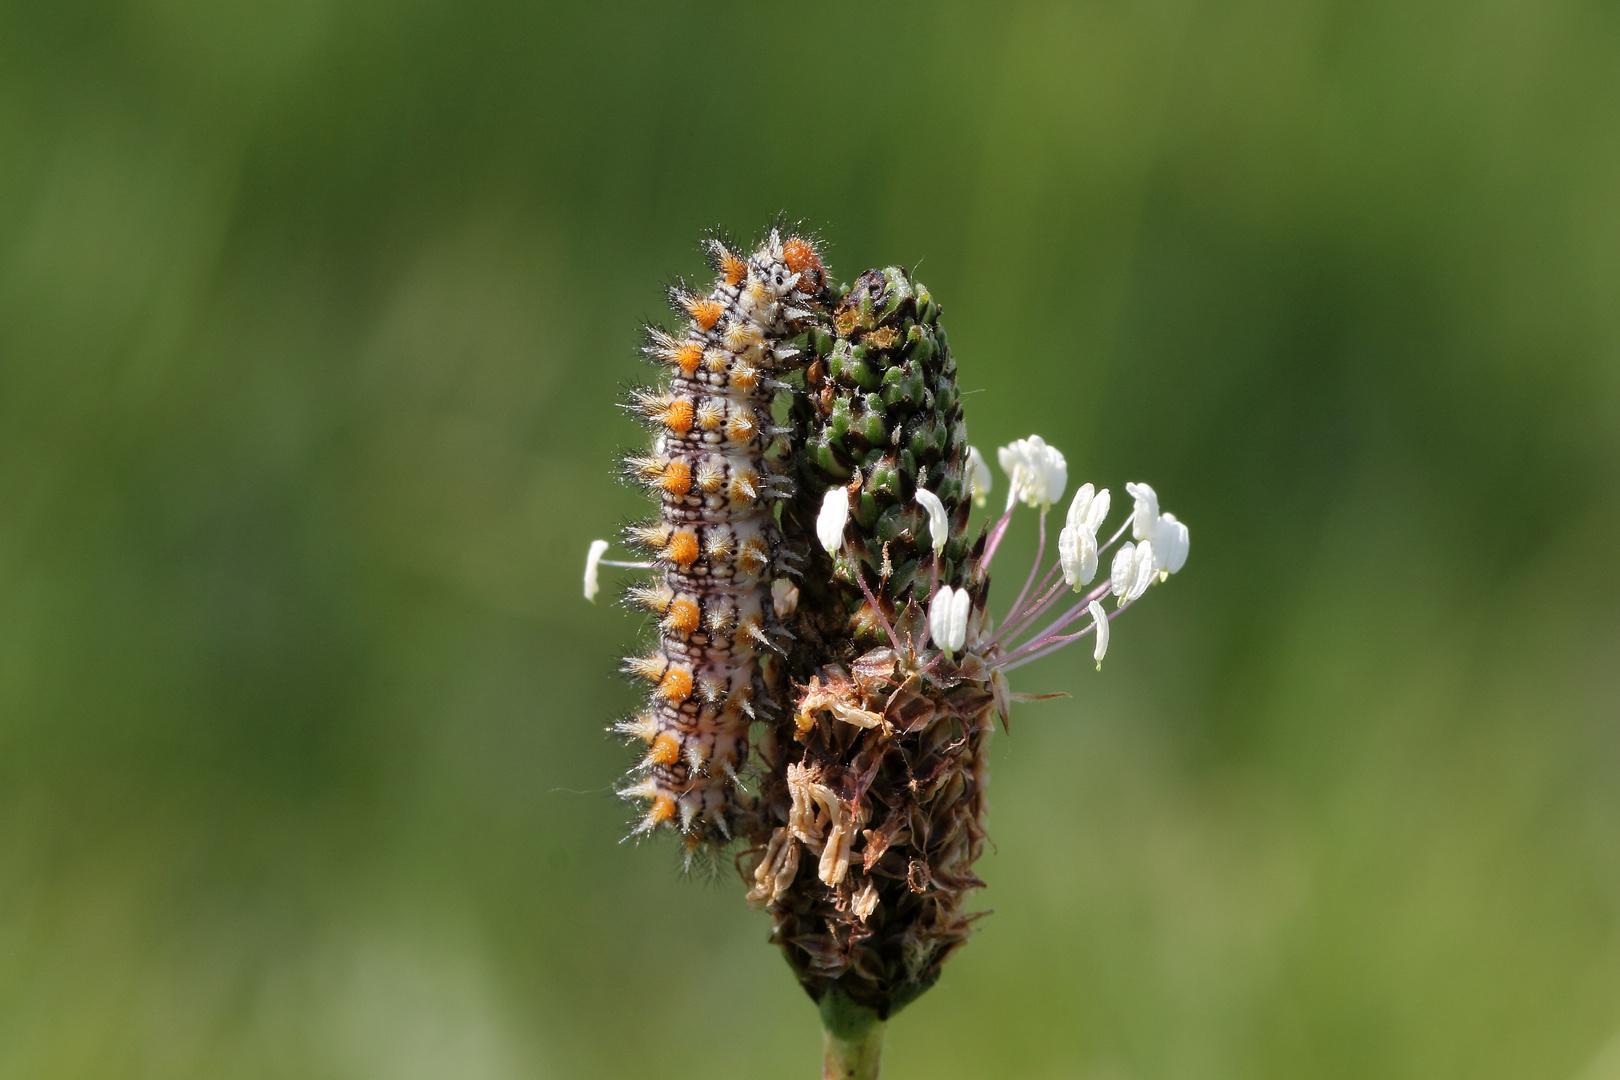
column 593, row 560
column 939, row 527
column 833, row 517
column 978, row 476
column 1036, row 472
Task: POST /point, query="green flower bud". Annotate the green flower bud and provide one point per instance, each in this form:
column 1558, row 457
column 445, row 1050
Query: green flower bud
column 872, row 428
column 866, row 510
column 883, row 480
column 861, row 374
column 838, row 423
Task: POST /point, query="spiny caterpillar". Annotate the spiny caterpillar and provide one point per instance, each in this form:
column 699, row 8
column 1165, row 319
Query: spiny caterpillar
column 715, row 537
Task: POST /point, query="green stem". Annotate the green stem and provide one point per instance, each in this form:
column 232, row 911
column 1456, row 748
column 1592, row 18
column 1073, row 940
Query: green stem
column 854, row 1041
column 853, row 1059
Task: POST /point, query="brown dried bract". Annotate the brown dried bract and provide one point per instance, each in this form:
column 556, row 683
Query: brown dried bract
column 905, row 745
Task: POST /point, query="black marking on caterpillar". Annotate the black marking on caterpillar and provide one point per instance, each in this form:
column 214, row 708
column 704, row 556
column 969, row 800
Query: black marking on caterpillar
column 715, row 536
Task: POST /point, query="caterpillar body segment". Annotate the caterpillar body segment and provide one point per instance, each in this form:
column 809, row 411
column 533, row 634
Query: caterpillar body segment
column 715, row 537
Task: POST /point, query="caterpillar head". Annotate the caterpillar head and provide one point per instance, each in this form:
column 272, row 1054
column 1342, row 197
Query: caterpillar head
column 784, row 266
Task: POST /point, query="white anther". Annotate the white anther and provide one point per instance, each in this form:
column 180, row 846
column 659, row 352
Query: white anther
column 939, row 528
column 1037, row 472
column 593, row 561
column 832, row 519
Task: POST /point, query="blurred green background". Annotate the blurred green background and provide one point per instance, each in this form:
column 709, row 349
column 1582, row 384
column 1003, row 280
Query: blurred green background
column 313, row 314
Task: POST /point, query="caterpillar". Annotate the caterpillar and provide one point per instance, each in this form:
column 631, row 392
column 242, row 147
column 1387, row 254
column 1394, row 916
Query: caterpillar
column 715, row 537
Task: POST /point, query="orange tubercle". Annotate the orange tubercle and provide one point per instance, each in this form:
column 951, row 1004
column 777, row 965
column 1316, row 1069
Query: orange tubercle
column 666, row 749
column 687, row 357
column 678, row 417
column 677, row 478
column 663, row 808
column 682, row 549
column 801, row 257
column 705, row 313
column 676, row 686
column 683, row 615
column 732, row 267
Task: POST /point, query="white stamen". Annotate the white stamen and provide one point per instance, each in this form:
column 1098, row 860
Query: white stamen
column 1077, row 543
column 1171, row 541
column 1143, row 572
column 1119, row 575
column 1080, row 506
column 1100, row 620
column 948, row 618
column 1147, row 511
column 1077, row 554
column 978, row 475
column 593, row 560
column 939, row 616
column 1037, row 472
column 1097, row 512
column 832, row 519
column 961, row 608
column 939, row 528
